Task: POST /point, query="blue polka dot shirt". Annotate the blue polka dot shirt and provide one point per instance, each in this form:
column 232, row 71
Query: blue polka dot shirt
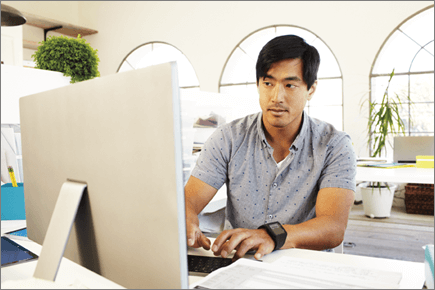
column 237, row 154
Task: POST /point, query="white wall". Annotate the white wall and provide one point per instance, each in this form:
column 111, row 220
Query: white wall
column 207, row 31
column 67, row 11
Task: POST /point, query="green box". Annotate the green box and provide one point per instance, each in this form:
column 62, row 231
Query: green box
column 12, row 202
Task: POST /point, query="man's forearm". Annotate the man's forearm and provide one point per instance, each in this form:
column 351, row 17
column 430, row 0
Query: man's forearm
column 191, row 214
column 317, row 234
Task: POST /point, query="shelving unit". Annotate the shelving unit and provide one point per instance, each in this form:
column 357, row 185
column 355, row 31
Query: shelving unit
column 53, row 25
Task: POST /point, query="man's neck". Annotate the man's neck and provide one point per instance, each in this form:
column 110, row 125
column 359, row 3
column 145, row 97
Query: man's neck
column 282, row 138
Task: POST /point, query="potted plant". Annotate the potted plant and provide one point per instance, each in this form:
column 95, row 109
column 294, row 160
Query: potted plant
column 73, row 57
column 384, row 119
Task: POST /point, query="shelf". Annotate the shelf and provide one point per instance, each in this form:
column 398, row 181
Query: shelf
column 30, row 44
column 46, row 23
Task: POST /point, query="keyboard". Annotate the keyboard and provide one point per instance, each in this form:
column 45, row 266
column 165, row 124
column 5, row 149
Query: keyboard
column 203, row 265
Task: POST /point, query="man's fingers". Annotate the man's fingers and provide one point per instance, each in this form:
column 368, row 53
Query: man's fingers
column 235, row 238
column 204, row 242
column 244, row 247
column 196, row 239
column 262, row 250
column 191, row 239
column 220, row 240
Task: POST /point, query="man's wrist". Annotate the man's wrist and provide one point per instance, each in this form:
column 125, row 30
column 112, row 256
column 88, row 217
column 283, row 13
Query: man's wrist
column 277, row 232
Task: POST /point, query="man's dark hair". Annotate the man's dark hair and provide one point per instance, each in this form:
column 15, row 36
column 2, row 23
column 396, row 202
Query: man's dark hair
column 289, row 47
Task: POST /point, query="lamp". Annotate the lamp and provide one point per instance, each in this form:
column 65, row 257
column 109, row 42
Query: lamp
column 11, row 16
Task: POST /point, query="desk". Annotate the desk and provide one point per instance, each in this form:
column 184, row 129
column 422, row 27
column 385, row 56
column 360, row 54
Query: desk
column 71, row 273
column 413, row 272
column 397, row 175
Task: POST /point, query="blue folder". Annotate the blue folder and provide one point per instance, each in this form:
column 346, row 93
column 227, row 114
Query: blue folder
column 12, row 202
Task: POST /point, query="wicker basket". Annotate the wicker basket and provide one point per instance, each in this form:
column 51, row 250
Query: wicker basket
column 419, row 198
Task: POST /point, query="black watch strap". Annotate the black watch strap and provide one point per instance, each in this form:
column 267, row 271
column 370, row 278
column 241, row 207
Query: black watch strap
column 277, row 232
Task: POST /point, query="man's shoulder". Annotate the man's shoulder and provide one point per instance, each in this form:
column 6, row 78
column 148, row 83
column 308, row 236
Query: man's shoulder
column 242, row 125
column 324, row 131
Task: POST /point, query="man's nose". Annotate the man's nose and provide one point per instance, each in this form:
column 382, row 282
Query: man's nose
column 278, row 94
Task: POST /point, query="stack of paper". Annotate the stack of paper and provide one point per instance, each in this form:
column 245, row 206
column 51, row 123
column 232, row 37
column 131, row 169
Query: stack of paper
column 296, row 273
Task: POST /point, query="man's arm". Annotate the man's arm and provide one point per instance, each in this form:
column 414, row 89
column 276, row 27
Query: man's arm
column 197, row 195
column 325, row 231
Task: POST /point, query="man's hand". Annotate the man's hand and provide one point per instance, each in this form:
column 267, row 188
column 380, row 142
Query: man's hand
column 195, row 238
column 198, row 194
column 243, row 240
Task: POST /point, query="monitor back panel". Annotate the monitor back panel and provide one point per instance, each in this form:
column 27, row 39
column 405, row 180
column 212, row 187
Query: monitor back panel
column 406, row 148
column 116, row 134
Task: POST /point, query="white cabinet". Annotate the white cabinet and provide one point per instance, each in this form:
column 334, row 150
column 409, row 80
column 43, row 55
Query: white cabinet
column 17, row 82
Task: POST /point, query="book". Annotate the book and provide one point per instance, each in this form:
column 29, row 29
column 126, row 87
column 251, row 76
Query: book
column 386, row 165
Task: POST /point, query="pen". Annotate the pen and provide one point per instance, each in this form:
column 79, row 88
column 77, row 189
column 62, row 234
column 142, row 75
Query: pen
column 12, row 175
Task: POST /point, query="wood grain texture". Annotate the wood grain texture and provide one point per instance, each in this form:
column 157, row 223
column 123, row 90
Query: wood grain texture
column 399, row 237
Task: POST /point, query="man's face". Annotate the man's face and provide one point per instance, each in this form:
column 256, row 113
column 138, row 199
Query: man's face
column 283, row 94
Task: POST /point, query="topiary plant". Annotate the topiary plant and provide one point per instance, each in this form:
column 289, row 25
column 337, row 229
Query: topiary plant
column 73, row 57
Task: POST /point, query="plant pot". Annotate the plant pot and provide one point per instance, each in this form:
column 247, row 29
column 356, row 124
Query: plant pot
column 377, row 202
column 358, row 197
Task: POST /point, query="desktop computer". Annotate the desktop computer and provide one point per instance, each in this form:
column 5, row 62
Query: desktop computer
column 120, row 136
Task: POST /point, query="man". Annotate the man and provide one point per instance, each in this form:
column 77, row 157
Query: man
column 290, row 178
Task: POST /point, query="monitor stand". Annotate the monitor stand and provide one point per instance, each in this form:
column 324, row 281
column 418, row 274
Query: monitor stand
column 59, row 229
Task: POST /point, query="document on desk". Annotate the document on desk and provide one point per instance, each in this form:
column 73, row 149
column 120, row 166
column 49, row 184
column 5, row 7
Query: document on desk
column 295, row 273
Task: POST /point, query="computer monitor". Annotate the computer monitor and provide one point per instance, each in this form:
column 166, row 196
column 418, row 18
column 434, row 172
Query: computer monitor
column 406, row 148
column 121, row 136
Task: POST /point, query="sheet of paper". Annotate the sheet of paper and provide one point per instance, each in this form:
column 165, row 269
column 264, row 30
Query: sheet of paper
column 8, row 144
column 358, row 275
column 282, row 274
column 4, row 168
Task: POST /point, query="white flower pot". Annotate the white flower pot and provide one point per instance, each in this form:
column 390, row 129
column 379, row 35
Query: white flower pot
column 358, row 197
column 377, row 202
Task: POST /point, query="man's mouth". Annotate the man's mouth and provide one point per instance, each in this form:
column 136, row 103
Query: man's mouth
column 277, row 111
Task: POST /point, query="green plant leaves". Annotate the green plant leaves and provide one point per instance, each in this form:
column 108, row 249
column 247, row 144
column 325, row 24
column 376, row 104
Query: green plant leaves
column 73, row 57
column 385, row 120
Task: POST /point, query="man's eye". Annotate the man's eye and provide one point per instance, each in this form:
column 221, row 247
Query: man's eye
column 267, row 84
column 290, row 86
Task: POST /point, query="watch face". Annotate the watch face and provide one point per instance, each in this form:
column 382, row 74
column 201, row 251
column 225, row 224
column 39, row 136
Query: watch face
column 277, row 228
column 274, row 226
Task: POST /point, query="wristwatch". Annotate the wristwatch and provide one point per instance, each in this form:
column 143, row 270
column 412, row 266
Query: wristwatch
column 276, row 232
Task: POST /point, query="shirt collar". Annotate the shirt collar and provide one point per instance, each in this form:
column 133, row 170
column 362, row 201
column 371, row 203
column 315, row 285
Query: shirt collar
column 299, row 141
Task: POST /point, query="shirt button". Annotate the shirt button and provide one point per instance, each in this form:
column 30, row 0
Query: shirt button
column 275, row 185
column 270, row 216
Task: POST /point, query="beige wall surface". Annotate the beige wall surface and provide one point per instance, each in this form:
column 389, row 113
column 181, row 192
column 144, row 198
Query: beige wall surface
column 67, row 11
column 207, row 32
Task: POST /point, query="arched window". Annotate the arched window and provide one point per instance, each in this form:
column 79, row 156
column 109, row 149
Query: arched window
column 238, row 76
column 153, row 53
column 409, row 50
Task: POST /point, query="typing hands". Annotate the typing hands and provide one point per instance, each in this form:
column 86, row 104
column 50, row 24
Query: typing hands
column 243, row 240
column 195, row 238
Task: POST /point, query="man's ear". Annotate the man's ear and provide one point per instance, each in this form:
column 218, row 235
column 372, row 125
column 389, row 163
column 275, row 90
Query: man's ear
column 312, row 90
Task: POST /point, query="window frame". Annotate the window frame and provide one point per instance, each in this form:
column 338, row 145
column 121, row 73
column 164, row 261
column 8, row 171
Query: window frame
column 124, row 60
column 409, row 73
